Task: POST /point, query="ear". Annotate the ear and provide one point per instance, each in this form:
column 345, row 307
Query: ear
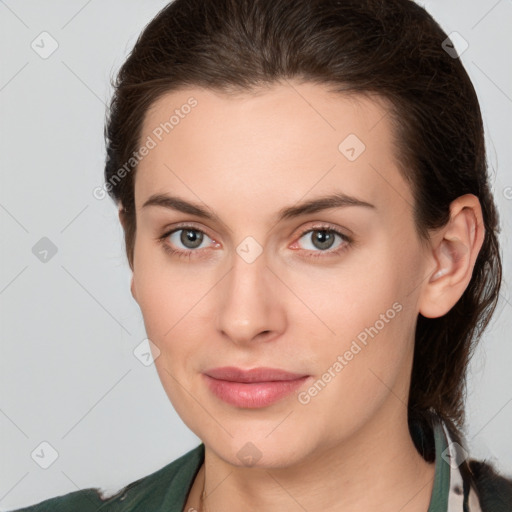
column 122, row 220
column 132, row 289
column 453, row 252
column 122, row 213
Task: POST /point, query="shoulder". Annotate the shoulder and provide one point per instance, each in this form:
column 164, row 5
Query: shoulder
column 494, row 490
column 84, row 500
column 162, row 490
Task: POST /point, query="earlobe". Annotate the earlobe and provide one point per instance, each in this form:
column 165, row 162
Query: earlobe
column 122, row 220
column 132, row 289
column 121, row 213
column 454, row 252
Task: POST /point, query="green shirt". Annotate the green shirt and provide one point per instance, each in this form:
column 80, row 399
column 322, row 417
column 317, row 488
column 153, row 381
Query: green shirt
column 167, row 489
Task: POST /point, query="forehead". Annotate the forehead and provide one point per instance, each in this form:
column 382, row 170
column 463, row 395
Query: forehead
column 280, row 142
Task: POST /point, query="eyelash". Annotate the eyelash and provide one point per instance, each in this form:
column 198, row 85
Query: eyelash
column 313, row 254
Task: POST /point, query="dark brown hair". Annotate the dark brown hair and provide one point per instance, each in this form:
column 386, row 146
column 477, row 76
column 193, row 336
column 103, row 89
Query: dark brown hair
column 391, row 49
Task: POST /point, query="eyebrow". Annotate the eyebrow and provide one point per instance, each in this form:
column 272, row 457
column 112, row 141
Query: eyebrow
column 335, row 200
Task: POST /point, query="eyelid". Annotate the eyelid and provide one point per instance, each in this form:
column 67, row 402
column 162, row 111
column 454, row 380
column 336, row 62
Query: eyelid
column 319, row 226
column 184, row 225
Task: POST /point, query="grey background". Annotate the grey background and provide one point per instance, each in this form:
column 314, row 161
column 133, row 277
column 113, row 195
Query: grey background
column 69, row 325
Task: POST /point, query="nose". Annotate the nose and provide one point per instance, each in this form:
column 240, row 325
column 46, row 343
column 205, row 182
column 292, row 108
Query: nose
column 249, row 304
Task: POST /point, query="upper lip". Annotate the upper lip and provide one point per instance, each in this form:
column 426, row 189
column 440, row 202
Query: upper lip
column 233, row 374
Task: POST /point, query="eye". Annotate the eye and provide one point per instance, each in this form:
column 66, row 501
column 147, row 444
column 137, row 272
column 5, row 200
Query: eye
column 189, row 237
column 323, row 240
column 185, row 241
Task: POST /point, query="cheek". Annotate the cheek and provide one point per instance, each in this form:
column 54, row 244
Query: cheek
column 166, row 293
column 369, row 355
column 367, row 315
column 343, row 301
column 168, row 302
column 367, row 324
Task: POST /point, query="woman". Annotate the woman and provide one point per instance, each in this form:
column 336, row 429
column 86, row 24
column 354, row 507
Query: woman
column 307, row 215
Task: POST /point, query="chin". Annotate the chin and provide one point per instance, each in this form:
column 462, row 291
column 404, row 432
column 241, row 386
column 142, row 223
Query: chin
column 261, row 450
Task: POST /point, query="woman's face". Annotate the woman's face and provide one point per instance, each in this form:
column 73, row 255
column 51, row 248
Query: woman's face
column 328, row 292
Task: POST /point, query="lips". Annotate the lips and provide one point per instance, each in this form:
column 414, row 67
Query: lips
column 255, row 388
column 232, row 374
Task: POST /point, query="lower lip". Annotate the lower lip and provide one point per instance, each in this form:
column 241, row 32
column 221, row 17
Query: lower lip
column 252, row 395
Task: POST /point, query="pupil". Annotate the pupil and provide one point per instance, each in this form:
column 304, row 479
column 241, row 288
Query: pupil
column 323, row 239
column 191, row 238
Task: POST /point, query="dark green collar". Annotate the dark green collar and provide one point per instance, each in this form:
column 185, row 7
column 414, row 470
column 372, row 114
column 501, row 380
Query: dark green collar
column 439, row 497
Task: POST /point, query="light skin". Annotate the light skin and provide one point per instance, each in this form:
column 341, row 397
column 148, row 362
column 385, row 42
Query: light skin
column 244, row 159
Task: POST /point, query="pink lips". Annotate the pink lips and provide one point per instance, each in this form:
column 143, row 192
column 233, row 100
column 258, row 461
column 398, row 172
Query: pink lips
column 254, row 388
